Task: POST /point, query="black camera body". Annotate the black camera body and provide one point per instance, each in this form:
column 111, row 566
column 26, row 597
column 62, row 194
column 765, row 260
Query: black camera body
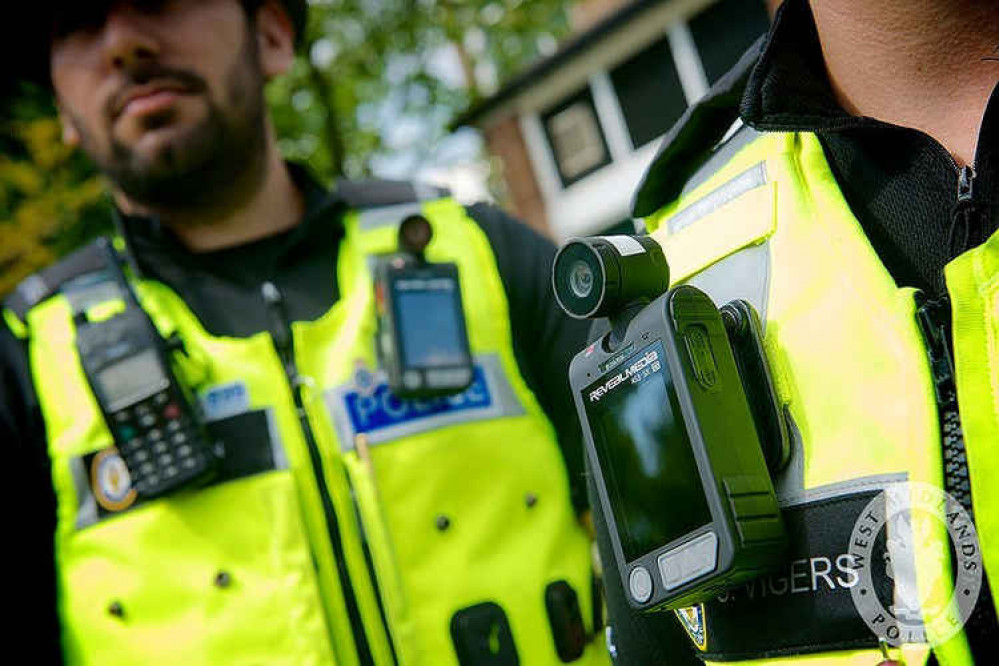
column 678, row 451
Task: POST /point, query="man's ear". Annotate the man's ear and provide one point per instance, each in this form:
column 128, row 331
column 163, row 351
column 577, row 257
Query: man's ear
column 275, row 39
column 70, row 135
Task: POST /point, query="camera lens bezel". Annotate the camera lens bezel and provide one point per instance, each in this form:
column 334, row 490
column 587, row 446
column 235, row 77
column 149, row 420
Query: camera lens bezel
column 576, row 306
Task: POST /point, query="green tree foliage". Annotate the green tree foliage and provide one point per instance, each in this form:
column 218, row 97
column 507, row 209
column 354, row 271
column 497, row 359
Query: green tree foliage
column 51, row 201
column 366, row 68
column 369, row 67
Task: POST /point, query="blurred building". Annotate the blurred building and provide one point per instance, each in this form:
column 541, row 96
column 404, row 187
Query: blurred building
column 576, row 131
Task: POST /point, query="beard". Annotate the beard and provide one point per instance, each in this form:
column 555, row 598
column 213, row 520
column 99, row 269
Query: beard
column 214, row 165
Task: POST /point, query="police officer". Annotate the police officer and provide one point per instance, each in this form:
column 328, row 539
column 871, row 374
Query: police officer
column 842, row 177
column 346, row 526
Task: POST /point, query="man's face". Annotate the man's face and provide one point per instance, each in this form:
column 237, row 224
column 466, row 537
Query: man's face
column 164, row 95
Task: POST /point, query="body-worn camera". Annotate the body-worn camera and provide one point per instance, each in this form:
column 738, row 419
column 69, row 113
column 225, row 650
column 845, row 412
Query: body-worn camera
column 422, row 340
column 679, row 452
column 157, row 430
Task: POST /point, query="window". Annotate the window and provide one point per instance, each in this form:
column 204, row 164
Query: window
column 648, row 89
column 725, row 30
column 576, row 139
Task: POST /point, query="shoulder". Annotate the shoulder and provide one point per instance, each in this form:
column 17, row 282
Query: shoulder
column 38, row 287
column 690, row 149
column 523, row 255
column 373, row 194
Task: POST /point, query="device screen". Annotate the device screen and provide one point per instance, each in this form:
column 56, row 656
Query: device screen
column 645, row 455
column 132, row 379
column 429, row 322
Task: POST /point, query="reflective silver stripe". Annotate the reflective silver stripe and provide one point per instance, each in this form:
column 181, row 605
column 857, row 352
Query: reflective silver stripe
column 375, row 218
column 277, row 447
column 743, row 275
column 503, row 403
column 875, row 482
column 33, row 290
column 738, row 136
column 86, row 509
column 753, row 177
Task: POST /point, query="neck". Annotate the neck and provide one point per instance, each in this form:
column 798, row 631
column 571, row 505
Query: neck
column 925, row 64
column 267, row 204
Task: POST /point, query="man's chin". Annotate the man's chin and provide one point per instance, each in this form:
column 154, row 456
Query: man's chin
column 150, row 133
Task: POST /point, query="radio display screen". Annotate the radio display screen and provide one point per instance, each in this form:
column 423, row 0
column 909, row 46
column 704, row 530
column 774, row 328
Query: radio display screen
column 645, row 455
column 132, row 379
column 429, row 322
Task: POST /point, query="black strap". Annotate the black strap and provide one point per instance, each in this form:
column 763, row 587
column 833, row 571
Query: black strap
column 688, row 144
column 362, row 194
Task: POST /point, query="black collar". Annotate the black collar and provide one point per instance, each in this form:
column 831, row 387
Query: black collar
column 153, row 248
column 899, row 182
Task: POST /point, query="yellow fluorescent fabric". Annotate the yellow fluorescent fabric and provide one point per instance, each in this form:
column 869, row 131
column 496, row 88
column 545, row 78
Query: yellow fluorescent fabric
column 268, row 531
column 842, row 338
column 973, row 281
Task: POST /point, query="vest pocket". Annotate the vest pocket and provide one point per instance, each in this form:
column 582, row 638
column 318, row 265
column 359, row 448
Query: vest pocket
column 471, row 515
column 219, row 575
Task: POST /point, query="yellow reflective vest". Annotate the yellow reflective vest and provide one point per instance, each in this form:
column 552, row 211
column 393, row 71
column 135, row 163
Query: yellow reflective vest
column 414, row 521
column 770, row 225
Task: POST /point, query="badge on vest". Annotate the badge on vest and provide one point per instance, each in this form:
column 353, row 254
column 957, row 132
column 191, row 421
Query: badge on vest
column 366, row 405
column 225, row 400
column 110, row 481
column 692, row 619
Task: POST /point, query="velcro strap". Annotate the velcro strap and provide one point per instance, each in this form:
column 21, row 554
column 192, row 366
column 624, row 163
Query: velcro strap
column 807, row 606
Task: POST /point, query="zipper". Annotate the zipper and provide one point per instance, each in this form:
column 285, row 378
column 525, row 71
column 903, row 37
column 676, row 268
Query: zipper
column 934, row 323
column 281, row 334
column 964, row 232
column 934, row 318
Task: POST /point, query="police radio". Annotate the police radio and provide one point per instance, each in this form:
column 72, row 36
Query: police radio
column 680, row 421
column 422, row 341
column 156, row 428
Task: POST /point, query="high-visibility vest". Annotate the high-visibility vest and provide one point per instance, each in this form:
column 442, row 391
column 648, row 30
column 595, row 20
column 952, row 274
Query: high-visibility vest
column 770, row 225
column 445, row 515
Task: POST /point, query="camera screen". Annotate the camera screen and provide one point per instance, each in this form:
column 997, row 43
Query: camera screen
column 429, row 322
column 132, row 379
column 645, row 455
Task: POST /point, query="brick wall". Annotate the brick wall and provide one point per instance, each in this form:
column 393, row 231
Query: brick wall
column 506, row 142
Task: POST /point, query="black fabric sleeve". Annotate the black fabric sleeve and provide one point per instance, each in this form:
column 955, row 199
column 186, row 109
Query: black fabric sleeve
column 544, row 338
column 31, row 507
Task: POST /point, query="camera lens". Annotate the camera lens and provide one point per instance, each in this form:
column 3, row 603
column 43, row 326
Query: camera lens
column 581, row 279
column 415, row 233
column 598, row 276
column 578, row 278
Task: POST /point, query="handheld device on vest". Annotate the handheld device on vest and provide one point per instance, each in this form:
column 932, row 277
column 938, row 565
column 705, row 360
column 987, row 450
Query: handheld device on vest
column 679, row 452
column 157, row 428
column 422, row 342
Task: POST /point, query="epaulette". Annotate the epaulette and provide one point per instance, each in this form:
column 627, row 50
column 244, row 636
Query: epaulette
column 45, row 283
column 690, row 143
column 366, row 194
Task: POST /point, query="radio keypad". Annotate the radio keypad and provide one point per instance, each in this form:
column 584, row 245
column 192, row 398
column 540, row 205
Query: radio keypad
column 158, row 445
